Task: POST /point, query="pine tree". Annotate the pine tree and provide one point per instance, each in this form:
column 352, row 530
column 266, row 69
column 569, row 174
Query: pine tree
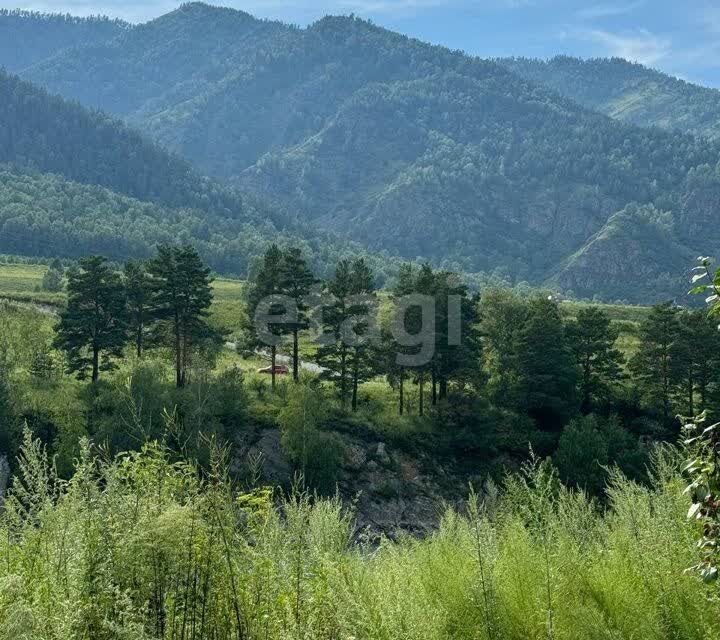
column 652, row 364
column 295, row 282
column 267, row 282
column 457, row 339
column 93, row 327
column 332, row 356
column 363, row 363
column 547, row 367
column 138, row 292
column 396, row 372
column 181, row 299
column 502, row 318
column 349, row 355
column 592, row 338
column 424, row 286
column 693, row 361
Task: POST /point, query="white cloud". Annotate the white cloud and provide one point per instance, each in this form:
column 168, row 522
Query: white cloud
column 599, row 11
column 639, row 46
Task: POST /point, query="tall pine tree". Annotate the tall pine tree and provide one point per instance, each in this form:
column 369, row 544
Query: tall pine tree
column 138, row 292
column 93, row 328
column 267, row 282
column 652, row 364
column 182, row 295
column 348, row 356
column 333, row 354
column 296, row 281
column 592, row 338
column 547, row 367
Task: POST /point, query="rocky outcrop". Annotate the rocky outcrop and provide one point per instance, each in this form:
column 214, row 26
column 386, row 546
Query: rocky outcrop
column 390, row 490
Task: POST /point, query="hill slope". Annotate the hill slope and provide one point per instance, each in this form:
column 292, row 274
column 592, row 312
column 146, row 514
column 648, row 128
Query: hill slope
column 74, row 182
column 628, row 92
column 28, row 37
column 400, row 145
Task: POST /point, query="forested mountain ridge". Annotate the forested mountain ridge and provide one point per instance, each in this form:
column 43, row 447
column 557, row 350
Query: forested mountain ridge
column 29, row 37
column 47, row 134
column 627, row 91
column 74, row 182
column 402, row 146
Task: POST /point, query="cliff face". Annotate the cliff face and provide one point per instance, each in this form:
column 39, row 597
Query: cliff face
column 636, row 245
column 391, row 490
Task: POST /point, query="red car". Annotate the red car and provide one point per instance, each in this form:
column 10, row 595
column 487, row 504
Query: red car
column 280, row 370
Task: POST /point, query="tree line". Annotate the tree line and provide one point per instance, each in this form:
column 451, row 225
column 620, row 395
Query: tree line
column 518, row 352
column 163, row 302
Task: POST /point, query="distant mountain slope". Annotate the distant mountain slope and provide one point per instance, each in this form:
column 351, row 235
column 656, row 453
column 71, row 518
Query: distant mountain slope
column 628, row 92
column 637, row 245
column 47, row 134
column 402, row 146
column 77, row 182
column 480, row 180
column 29, row 37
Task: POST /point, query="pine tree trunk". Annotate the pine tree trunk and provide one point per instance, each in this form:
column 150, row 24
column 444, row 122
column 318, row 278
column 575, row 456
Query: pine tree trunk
column 402, row 391
column 95, row 364
column 355, row 386
column 443, row 388
column 296, row 359
column 273, row 359
column 343, row 377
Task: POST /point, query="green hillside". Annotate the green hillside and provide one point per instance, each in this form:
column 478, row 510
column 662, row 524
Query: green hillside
column 628, row 92
column 26, row 37
column 74, row 182
column 400, row 146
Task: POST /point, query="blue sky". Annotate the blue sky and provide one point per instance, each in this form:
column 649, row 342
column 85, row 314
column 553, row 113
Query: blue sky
column 680, row 38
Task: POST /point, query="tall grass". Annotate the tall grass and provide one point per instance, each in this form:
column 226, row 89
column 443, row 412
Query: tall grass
column 144, row 547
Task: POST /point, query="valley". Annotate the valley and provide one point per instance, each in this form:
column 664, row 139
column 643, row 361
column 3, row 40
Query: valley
column 322, row 331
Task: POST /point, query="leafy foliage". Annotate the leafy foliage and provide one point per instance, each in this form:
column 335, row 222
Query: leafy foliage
column 145, row 547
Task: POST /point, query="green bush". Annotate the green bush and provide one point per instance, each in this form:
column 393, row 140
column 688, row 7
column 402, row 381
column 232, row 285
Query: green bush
column 590, row 445
column 143, row 546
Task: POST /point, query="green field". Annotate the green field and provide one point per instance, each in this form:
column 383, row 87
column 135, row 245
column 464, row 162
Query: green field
column 22, row 282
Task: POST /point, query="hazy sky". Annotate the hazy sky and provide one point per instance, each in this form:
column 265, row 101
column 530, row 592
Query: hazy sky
column 681, row 37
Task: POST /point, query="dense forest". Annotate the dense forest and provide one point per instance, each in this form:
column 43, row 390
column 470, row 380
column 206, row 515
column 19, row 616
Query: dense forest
column 402, row 146
column 627, row 91
column 28, row 37
column 77, row 182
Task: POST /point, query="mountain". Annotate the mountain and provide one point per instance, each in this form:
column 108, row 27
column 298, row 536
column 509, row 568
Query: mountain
column 635, row 246
column 47, row 134
column 29, row 37
column 627, row 91
column 74, row 182
column 401, row 146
